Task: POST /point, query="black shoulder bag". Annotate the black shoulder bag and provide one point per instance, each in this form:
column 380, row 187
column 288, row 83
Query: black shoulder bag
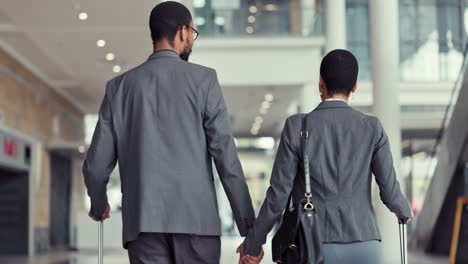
column 298, row 239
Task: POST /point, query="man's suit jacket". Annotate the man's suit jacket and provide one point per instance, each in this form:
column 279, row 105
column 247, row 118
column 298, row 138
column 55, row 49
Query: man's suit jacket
column 164, row 121
column 345, row 147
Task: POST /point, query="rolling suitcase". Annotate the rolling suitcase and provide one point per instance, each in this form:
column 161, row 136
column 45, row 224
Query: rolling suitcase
column 100, row 242
column 403, row 244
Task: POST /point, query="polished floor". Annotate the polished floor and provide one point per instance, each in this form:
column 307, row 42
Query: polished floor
column 120, row 257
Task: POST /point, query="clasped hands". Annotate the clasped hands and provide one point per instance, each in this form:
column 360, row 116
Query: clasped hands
column 245, row 259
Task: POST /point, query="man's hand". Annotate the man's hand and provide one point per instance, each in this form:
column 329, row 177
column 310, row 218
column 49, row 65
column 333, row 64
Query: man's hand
column 243, row 259
column 105, row 215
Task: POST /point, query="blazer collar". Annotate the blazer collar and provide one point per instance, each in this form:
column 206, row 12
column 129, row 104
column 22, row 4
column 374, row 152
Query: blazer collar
column 164, row 53
column 333, row 104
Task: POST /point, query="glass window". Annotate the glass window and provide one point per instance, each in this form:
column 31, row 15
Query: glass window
column 357, row 35
column 432, row 39
column 260, row 17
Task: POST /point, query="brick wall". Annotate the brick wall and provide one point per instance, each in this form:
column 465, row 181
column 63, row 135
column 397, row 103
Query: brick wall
column 29, row 105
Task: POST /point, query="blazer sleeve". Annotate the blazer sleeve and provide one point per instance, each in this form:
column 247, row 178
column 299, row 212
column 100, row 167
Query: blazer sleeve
column 384, row 172
column 281, row 183
column 222, row 148
column 101, row 159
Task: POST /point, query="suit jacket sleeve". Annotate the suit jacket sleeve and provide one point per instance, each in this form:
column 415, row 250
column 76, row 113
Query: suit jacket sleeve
column 384, row 172
column 222, row 148
column 281, row 183
column 100, row 160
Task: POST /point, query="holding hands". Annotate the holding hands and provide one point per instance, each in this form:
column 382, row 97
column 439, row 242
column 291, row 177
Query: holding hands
column 245, row 259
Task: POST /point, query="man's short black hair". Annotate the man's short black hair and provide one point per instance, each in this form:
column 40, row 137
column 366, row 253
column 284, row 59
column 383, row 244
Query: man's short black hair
column 166, row 19
column 339, row 70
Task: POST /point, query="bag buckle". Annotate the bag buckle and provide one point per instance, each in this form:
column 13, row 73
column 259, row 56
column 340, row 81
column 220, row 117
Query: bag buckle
column 308, row 205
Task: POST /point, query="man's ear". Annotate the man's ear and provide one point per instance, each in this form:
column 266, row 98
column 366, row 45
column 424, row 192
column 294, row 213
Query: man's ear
column 183, row 33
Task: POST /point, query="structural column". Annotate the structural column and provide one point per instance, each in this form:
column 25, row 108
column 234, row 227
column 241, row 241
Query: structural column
column 385, row 75
column 335, row 24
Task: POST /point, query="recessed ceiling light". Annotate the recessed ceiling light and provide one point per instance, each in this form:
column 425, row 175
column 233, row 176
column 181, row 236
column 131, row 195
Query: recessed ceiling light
column 110, row 56
column 254, row 132
column 258, row 119
column 81, row 149
column 269, row 97
column 263, row 111
column 249, row 29
column 101, row 43
column 253, row 9
column 251, row 19
column 116, row 68
column 271, row 7
column 83, row 16
column 266, row 104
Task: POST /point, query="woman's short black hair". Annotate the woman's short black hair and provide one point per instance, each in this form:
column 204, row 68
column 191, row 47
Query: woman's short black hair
column 339, row 70
column 166, row 19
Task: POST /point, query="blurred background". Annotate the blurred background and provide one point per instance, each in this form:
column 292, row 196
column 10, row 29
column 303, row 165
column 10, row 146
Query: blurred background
column 56, row 56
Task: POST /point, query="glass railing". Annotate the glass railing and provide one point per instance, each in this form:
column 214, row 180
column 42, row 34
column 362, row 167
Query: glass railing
column 235, row 18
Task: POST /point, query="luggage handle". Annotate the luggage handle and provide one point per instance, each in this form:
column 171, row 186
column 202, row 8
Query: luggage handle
column 100, row 242
column 403, row 242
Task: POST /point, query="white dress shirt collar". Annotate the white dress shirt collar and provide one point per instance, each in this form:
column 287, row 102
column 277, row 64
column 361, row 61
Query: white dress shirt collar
column 335, row 99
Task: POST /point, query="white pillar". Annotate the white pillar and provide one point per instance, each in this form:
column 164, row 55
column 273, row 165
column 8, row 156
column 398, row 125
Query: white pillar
column 335, row 24
column 384, row 44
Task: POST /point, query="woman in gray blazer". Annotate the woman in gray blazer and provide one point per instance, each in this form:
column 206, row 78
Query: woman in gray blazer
column 345, row 148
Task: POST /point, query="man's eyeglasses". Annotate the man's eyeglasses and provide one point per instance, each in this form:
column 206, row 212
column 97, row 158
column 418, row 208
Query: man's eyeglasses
column 195, row 32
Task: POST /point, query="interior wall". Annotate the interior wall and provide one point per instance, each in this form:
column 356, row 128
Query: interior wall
column 32, row 107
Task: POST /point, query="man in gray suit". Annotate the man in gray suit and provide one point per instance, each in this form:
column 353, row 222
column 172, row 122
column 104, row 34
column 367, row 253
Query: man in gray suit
column 164, row 121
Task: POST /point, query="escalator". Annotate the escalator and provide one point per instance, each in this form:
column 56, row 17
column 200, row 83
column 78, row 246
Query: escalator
column 433, row 226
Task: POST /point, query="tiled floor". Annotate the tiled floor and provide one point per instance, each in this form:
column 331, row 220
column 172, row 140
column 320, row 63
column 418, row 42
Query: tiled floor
column 120, row 257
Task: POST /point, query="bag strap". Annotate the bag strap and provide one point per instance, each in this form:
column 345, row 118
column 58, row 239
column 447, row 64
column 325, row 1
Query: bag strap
column 305, row 160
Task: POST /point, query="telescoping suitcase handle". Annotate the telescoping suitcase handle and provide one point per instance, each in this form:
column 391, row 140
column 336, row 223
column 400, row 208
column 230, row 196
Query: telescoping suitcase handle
column 100, row 242
column 403, row 243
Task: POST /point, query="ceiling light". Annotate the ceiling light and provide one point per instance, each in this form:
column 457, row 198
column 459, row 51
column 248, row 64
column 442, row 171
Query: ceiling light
column 271, row 7
column 251, row 19
column 110, row 56
column 266, row 104
column 263, row 111
column 253, row 9
column 249, row 29
column 269, row 97
column 256, row 126
column 101, row 43
column 116, row 68
column 83, row 16
column 254, row 132
column 259, row 119
column 81, row 149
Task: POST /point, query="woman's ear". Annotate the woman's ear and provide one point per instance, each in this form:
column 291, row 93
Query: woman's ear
column 354, row 88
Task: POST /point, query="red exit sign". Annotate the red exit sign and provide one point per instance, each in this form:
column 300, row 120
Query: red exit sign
column 10, row 147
